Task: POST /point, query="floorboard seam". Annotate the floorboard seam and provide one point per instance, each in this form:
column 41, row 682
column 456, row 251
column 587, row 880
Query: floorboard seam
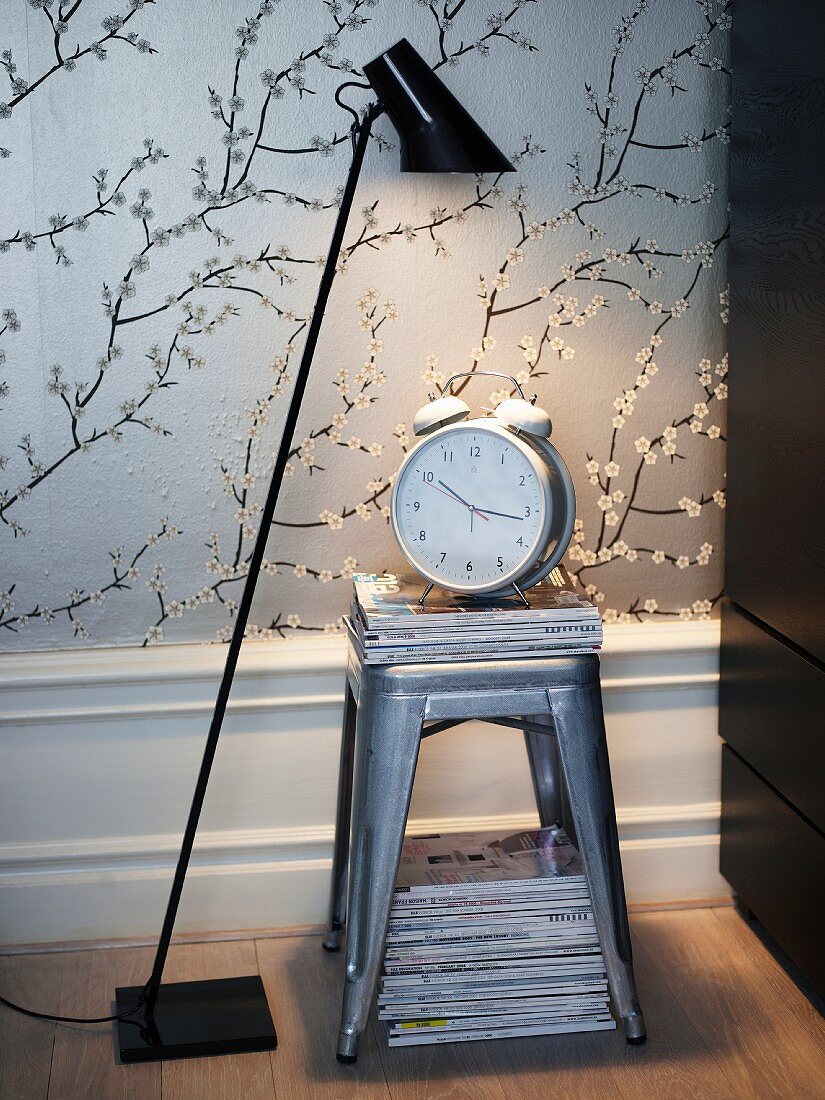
column 272, row 1053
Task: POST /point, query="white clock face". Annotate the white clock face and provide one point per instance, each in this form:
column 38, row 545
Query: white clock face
column 470, row 508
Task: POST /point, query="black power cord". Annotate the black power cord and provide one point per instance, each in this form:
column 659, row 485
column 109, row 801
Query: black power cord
column 74, row 1019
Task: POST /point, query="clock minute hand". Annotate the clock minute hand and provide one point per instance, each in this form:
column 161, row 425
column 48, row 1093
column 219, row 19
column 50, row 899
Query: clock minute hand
column 455, row 497
column 455, row 494
column 472, row 507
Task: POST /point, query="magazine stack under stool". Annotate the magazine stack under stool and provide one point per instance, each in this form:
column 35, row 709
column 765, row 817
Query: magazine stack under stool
column 556, row 701
column 491, row 936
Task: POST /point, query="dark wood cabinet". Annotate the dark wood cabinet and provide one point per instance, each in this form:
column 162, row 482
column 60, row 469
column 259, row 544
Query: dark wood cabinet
column 774, row 702
column 772, row 698
column 782, row 867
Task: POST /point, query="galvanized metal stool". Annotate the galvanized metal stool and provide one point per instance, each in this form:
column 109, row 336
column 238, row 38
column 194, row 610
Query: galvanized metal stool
column 385, row 713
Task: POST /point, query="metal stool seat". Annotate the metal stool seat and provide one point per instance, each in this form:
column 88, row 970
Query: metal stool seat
column 388, row 709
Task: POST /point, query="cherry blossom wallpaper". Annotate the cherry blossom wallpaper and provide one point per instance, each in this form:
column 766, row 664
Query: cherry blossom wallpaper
column 169, row 174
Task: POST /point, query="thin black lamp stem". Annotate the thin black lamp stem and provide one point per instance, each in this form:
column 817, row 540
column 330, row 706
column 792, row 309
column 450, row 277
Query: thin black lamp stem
column 361, row 133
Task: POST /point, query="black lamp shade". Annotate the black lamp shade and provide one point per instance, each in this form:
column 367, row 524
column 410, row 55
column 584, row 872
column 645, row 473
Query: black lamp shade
column 437, row 134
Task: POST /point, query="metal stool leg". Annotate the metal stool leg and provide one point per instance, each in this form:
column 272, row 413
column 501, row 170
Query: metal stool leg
column 340, row 855
column 543, row 754
column 566, row 819
column 388, row 736
column 583, row 748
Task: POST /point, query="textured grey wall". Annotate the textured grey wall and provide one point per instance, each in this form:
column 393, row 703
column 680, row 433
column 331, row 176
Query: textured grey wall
column 163, row 208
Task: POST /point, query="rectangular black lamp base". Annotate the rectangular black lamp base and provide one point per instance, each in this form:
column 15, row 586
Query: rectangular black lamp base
column 196, row 1020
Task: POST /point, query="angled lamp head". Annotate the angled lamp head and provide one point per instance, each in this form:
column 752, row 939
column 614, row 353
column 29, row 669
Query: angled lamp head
column 437, row 134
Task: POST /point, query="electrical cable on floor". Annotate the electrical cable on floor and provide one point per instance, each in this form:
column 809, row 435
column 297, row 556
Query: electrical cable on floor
column 74, row 1019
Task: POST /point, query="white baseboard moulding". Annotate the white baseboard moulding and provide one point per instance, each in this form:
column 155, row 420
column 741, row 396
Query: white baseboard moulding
column 99, row 750
column 232, row 935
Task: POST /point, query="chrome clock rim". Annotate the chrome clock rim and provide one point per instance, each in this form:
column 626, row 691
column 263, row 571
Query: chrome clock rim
column 526, row 565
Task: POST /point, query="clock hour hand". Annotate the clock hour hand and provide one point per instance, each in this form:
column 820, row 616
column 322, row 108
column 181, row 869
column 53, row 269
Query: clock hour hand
column 490, row 512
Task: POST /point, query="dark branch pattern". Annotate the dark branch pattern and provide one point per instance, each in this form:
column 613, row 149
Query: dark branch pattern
column 265, row 276
column 65, row 58
column 124, row 570
column 617, row 505
column 105, row 206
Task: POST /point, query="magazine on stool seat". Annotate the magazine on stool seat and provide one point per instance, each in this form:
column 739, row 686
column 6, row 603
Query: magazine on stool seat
column 390, row 625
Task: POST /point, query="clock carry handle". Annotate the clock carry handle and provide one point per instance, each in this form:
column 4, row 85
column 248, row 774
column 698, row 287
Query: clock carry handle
column 484, row 373
column 562, row 487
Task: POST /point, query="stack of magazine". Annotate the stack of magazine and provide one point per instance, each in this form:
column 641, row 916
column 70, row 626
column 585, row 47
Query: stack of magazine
column 391, row 626
column 491, row 938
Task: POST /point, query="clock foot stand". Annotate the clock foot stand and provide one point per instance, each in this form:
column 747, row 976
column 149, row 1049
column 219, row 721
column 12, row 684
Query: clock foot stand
column 422, row 598
column 521, row 596
column 425, row 594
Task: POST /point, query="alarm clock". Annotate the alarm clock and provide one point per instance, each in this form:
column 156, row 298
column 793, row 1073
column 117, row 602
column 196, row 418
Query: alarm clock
column 483, row 506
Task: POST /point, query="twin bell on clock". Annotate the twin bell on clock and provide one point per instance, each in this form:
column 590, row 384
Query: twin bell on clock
column 483, row 506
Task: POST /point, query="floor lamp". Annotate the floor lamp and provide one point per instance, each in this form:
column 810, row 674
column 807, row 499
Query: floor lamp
column 231, row 1015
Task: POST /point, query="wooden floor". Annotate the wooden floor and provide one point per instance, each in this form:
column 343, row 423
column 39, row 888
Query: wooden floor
column 724, row 1020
